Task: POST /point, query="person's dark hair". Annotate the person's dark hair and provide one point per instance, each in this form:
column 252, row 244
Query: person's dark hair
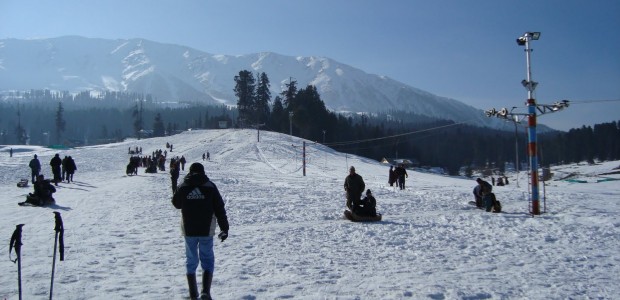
column 197, row 168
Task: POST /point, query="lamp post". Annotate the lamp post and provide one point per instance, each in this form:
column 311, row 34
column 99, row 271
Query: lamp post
column 530, row 85
column 532, row 110
column 515, row 120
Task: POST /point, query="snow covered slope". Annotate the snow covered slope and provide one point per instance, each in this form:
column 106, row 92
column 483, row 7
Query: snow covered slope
column 288, row 238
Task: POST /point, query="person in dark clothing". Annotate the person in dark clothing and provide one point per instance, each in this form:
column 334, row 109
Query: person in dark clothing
column 354, row 186
column 56, row 162
column 478, row 196
column 42, row 194
column 485, row 192
column 182, row 161
column 401, row 174
column 63, row 170
column 174, row 174
column 11, row 152
column 392, row 176
column 200, row 201
column 70, row 168
column 35, row 168
column 367, row 206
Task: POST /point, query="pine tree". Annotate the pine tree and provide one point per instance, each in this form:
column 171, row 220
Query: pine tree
column 60, row 123
column 137, row 123
column 245, row 90
column 263, row 97
column 158, row 126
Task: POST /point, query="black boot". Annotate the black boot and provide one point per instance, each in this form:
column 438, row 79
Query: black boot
column 207, row 278
column 193, row 288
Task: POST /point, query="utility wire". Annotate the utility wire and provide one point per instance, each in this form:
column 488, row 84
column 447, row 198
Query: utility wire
column 395, row 136
column 592, row 101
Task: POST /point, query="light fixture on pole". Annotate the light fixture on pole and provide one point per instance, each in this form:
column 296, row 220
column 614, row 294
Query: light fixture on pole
column 533, row 110
column 531, row 120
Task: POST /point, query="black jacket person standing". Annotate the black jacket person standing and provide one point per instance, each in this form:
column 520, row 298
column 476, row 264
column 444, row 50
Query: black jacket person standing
column 354, row 186
column 56, row 162
column 201, row 206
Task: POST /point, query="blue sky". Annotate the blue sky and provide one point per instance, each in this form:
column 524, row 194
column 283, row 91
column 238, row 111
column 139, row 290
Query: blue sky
column 464, row 50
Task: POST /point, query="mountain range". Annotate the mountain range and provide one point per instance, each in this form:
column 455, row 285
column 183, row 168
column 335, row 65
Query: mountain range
column 174, row 73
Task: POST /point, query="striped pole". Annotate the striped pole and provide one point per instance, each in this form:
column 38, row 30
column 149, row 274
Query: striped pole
column 532, row 147
column 532, row 152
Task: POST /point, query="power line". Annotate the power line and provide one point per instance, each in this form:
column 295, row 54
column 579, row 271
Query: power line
column 592, row 101
column 396, row 135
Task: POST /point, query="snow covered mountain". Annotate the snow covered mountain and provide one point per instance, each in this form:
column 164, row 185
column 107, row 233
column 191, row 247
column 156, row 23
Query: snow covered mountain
column 179, row 73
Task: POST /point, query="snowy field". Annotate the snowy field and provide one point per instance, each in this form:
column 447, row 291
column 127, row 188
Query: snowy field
column 288, row 239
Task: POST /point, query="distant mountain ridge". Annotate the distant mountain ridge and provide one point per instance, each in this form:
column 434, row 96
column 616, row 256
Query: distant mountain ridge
column 173, row 73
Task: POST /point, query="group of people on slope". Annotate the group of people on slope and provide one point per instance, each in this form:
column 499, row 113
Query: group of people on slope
column 397, row 175
column 354, row 186
column 61, row 168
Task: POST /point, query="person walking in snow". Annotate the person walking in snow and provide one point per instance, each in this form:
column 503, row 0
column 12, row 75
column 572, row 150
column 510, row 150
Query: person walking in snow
column 401, row 174
column 70, row 167
column 174, row 173
column 35, row 168
column 56, row 162
column 354, row 186
column 182, row 161
column 200, row 202
column 392, row 176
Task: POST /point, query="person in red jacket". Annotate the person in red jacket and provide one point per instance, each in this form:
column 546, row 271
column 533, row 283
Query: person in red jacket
column 200, row 202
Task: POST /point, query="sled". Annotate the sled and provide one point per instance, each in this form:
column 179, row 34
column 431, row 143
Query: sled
column 351, row 216
column 23, row 183
column 34, row 201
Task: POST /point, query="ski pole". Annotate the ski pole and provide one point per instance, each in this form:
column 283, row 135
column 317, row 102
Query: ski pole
column 16, row 242
column 58, row 239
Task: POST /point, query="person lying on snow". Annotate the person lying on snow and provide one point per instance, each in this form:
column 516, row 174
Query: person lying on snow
column 43, row 191
column 366, row 206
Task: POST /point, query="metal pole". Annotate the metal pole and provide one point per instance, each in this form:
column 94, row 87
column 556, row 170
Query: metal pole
column 290, row 123
column 53, row 264
column 59, row 229
column 516, row 152
column 531, row 120
column 16, row 242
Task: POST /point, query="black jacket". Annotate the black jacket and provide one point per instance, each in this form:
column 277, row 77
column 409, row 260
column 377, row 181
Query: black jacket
column 201, row 205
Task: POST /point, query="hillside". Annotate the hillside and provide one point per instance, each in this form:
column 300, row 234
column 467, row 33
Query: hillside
column 288, row 238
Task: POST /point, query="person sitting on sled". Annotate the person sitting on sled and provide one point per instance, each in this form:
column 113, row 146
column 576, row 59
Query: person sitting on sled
column 367, row 206
column 43, row 191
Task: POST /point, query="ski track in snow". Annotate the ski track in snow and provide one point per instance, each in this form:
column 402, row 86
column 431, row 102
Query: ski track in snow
column 288, row 238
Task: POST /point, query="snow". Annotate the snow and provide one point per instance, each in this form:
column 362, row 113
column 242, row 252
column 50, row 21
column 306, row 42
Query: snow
column 288, row 238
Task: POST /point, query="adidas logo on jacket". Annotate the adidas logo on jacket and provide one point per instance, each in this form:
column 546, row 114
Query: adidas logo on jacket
column 201, row 206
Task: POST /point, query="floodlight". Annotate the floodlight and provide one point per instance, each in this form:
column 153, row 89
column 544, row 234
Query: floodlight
column 534, row 35
column 491, row 112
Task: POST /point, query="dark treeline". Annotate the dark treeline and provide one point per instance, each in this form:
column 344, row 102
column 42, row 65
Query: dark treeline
column 109, row 117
